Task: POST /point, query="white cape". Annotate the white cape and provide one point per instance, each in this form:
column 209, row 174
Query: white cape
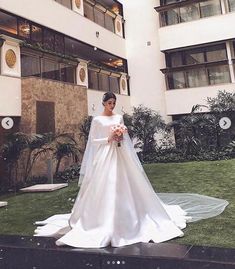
column 116, row 204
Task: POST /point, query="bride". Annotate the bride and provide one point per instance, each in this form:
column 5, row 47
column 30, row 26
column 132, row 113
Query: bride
column 116, row 204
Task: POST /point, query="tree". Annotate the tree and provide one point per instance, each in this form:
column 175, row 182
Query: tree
column 223, row 102
column 143, row 125
column 193, row 131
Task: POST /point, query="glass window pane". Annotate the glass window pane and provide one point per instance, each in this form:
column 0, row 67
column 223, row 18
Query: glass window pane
column 176, row 80
column 36, row 34
column 50, row 69
column 93, row 80
column 8, row 23
column 175, row 59
column 30, row 66
column 67, row 73
column 189, row 13
column 171, row 16
column 210, row 8
column 194, row 57
column 66, row 3
column 216, row 53
column 219, row 74
column 59, row 43
column 103, row 82
column 114, row 84
column 71, row 47
column 88, row 11
column 99, row 16
column 109, row 23
column 24, row 28
column 197, row 77
column 48, row 39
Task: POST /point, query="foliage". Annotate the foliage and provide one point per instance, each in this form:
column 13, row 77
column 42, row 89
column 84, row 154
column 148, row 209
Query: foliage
column 84, row 128
column 143, row 125
column 63, row 150
column 69, row 174
column 223, row 102
column 194, row 131
column 21, row 151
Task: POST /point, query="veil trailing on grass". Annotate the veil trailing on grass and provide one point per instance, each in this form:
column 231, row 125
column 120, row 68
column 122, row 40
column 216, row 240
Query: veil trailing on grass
column 116, row 203
column 196, row 206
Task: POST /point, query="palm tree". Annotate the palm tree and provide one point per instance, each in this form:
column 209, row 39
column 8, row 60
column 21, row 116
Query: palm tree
column 10, row 153
column 63, row 150
column 192, row 129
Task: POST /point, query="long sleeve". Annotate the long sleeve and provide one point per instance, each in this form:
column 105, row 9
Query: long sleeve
column 95, row 132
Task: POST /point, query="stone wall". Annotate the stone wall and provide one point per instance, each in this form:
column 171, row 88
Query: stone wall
column 70, row 103
column 70, row 109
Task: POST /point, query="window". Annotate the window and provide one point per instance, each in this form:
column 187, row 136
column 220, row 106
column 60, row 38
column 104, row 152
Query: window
column 8, row 23
column 194, row 57
column 36, row 34
column 93, row 80
column 59, row 43
column 23, row 28
column 170, row 17
column 50, row 69
column 109, row 22
column 189, row 13
column 99, row 14
column 216, row 53
column 30, row 65
column 176, row 80
column 88, row 11
column 114, row 84
column 71, row 47
column 48, row 39
column 103, row 82
column 197, row 77
column 219, row 74
column 197, row 67
column 99, row 17
column 210, row 8
column 67, row 73
column 66, row 3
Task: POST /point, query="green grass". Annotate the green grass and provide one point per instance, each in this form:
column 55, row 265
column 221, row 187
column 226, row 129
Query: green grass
column 210, row 178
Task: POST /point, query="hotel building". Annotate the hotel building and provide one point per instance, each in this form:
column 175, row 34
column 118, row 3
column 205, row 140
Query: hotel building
column 58, row 57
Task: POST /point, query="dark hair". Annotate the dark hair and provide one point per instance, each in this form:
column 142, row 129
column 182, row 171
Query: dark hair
column 107, row 96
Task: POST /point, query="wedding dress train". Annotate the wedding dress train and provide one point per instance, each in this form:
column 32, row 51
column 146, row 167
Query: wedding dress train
column 116, row 203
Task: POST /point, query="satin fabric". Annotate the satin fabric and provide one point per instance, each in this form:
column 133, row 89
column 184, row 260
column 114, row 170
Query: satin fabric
column 116, row 204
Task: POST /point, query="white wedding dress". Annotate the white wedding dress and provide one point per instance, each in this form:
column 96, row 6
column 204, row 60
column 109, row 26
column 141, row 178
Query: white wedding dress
column 116, row 204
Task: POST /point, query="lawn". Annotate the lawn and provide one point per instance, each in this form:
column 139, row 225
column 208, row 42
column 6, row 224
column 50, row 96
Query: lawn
column 210, row 178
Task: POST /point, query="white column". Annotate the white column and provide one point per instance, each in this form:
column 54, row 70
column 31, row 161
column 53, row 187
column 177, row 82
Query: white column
column 229, row 48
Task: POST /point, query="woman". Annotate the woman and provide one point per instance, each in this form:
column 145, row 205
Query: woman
column 116, row 203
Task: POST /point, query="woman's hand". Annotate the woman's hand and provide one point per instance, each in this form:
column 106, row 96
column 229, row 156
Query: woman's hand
column 114, row 137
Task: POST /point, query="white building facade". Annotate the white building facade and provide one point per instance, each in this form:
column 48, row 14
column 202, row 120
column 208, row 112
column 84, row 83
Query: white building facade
column 167, row 56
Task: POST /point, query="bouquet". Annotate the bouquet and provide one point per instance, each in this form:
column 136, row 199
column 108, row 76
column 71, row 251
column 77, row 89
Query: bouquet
column 119, row 130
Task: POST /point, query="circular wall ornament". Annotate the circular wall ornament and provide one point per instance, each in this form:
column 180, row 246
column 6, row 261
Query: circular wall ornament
column 78, row 3
column 82, row 74
column 10, row 58
column 123, row 83
column 119, row 26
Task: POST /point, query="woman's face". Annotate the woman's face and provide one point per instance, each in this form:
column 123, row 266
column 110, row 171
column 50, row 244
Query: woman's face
column 110, row 104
